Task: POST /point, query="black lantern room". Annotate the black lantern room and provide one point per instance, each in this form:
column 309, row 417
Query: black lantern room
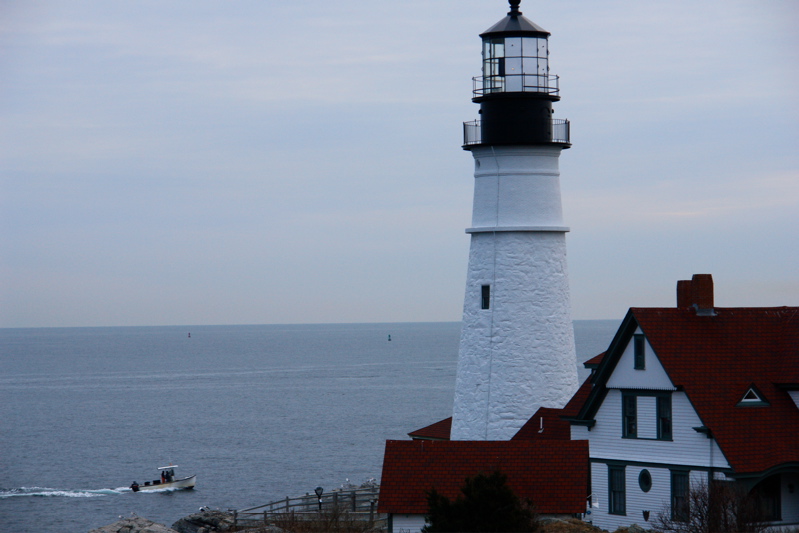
column 516, row 90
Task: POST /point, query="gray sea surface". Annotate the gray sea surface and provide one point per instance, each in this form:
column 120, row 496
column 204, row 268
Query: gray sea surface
column 257, row 412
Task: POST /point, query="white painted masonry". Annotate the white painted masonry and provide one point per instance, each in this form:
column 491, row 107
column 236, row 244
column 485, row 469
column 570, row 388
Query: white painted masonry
column 518, row 355
column 517, row 186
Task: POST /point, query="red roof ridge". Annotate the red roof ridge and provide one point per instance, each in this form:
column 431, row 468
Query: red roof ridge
column 436, row 431
column 556, row 481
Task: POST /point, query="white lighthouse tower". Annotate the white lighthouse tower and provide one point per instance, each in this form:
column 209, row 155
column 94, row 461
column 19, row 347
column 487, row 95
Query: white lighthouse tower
column 517, row 340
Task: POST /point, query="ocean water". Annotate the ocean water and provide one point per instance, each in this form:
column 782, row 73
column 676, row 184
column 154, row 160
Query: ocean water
column 257, row 412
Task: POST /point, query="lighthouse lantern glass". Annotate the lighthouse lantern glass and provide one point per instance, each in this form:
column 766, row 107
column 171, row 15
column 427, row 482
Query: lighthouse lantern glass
column 515, row 64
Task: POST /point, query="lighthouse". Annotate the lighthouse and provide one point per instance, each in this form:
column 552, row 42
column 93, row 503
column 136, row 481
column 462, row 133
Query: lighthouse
column 517, row 340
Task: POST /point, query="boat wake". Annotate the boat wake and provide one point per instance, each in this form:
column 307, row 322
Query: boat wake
column 44, row 492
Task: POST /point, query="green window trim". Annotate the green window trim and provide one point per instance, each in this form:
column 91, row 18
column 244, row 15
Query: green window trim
column 639, row 352
column 617, row 490
column 664, row 417
column 663, row 414
column 645, row 480
column 680, row 489
column 629, row 416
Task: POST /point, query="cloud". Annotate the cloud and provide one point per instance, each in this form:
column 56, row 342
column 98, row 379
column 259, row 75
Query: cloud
column 257, row 161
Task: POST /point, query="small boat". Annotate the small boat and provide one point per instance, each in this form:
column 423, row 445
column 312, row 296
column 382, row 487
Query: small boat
column 167, row 481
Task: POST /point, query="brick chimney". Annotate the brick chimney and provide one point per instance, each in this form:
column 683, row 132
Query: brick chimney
column 698, row 293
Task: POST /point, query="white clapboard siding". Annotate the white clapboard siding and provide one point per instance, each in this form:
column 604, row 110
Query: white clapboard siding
column 625, row 376
column 407, row 523
column 580, row 433
column 790, row 498
column 657, row 500
column 688, row 447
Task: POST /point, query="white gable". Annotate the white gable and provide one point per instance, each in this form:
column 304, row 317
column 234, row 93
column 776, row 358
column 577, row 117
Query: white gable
column 652, row 376
column 687, row 447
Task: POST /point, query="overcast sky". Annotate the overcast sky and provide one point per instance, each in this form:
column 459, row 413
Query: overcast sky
column 273, row 161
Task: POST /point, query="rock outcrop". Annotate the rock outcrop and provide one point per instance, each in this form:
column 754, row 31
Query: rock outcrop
column 134, row 524
column 206, row 521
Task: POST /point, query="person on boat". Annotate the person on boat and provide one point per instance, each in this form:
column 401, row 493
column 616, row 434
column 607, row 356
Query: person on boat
column 163, row 476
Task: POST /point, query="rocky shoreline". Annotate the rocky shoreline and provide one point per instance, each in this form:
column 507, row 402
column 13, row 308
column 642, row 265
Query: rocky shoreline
column 205, row 521
column 212, row 521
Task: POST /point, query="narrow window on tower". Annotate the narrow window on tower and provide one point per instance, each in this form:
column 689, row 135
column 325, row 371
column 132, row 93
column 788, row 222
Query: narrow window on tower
column 485, row 297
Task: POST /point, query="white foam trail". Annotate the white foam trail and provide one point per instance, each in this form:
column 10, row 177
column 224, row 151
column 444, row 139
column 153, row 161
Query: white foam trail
column 50, row 492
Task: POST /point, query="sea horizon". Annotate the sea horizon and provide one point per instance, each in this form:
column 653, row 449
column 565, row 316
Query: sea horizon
column 258, row 412
column 410, row 322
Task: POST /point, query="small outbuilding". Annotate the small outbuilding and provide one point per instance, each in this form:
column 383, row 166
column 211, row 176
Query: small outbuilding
column 552, row 475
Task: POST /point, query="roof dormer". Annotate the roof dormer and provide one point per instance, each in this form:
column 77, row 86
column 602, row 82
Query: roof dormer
column 753, row 398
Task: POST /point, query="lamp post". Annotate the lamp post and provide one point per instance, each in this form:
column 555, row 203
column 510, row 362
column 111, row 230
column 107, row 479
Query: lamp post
column 319, row 491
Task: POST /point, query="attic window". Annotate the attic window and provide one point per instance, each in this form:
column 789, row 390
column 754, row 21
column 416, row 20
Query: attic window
column 639, row 352
column 752, row 398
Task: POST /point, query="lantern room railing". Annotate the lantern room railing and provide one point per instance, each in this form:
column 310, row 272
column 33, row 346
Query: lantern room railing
column 521, row 83
column 472, row 133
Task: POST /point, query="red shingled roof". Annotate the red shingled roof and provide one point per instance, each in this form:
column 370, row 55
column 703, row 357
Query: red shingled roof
column 553, row 474
column 594, row 361
column 715, row 358
column 547, row 424
column 572, row 409
column 437, row 431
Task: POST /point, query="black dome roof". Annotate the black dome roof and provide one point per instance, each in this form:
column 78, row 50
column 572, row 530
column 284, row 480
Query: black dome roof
column 515, row 25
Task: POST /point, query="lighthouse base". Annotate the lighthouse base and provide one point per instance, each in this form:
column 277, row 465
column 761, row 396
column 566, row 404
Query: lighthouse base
column 517, row 348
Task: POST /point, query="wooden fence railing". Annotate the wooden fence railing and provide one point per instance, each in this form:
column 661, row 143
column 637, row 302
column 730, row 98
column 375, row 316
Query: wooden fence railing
column 357, row 503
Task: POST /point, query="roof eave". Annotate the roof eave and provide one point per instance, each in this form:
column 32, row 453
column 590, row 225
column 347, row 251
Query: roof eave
column 515, row 25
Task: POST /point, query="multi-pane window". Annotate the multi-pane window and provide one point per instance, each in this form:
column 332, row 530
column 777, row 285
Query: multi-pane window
column 629, row 404
column 639, row 352
column 494, row 58
column 617, row 490
column 653, row 422
column 664, row 417
column 679, row 496
column 516, row 64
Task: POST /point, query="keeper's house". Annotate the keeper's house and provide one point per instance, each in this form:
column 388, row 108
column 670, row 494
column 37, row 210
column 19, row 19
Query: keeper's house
column 683, row 397
column 689, row 395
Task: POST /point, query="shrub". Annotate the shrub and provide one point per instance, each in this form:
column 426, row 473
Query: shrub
column 486, row 503
column 721, row 507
